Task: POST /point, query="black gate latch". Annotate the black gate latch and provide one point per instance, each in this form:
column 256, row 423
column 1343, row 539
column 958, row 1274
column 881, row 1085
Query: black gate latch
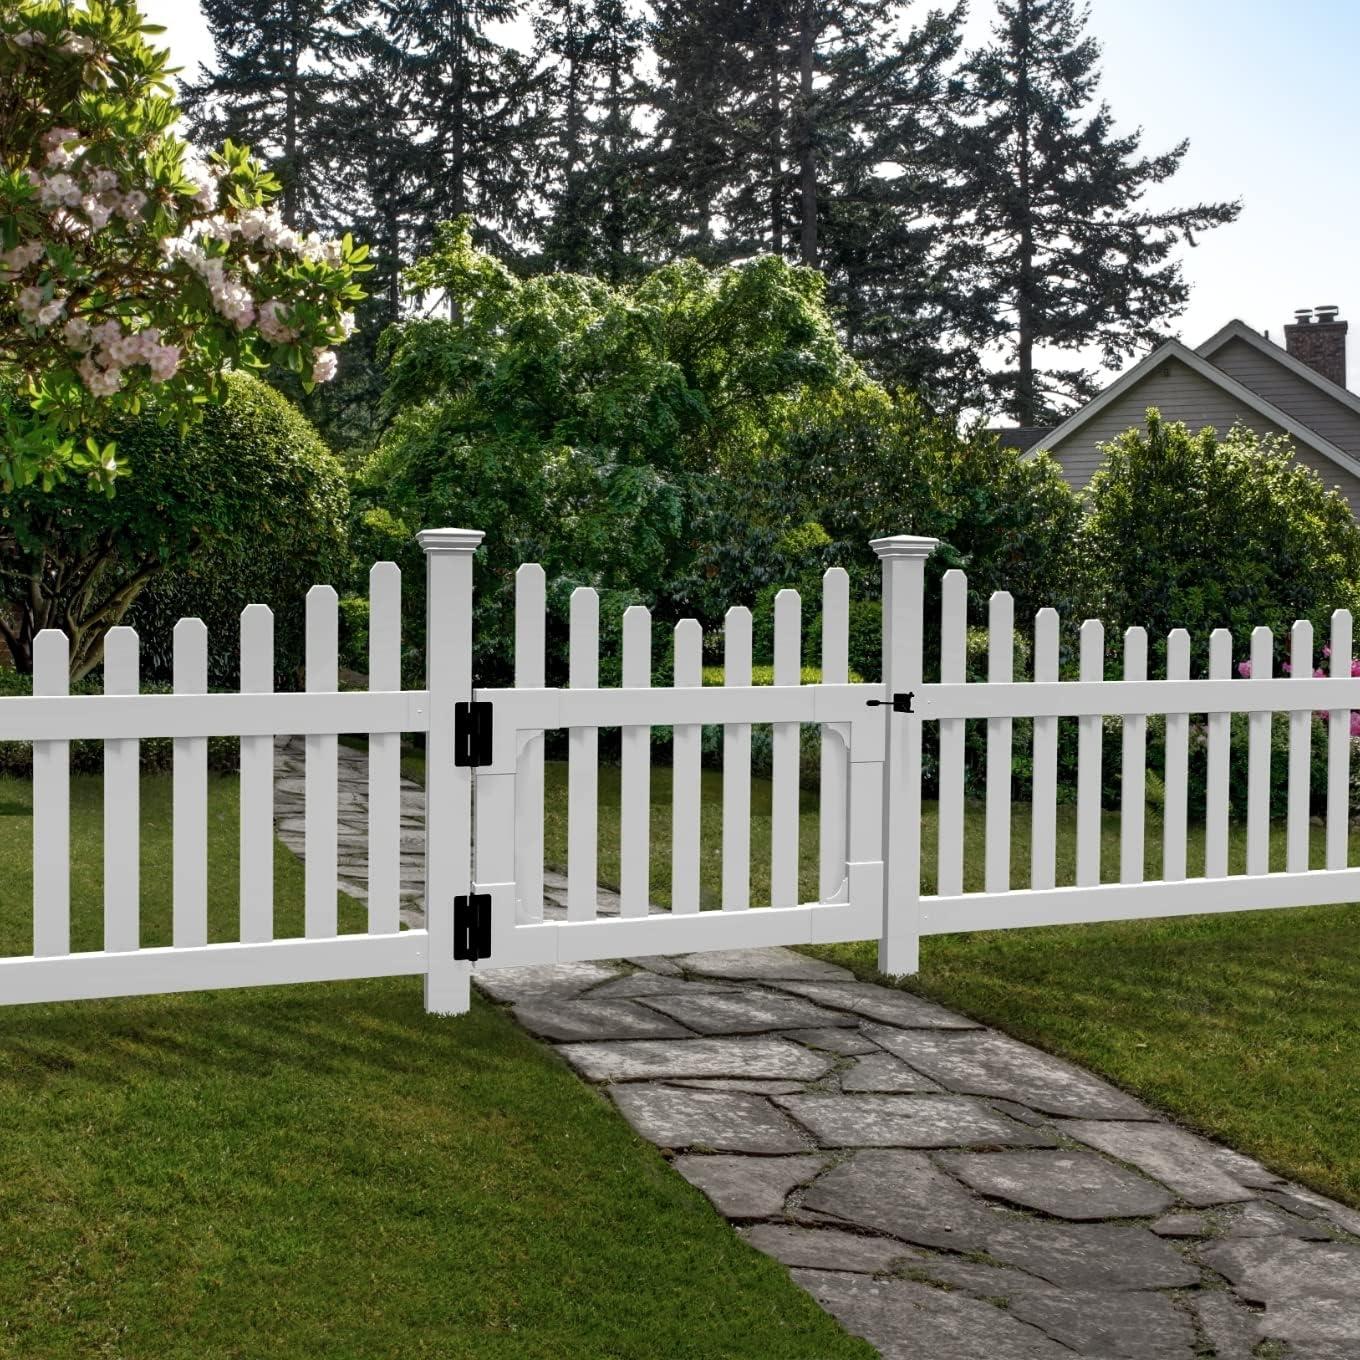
column 901, row 703
column 472, row 927
column 472, row 733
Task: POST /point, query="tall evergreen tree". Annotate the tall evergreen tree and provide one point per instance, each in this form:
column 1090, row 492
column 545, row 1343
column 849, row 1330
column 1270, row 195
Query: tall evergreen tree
column 1075, row 259
column 278, row 65
column 601, row 218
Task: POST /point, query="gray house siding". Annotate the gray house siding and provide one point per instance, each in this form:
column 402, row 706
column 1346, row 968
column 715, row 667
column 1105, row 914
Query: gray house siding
column 1179, row 393
column 1308, row 404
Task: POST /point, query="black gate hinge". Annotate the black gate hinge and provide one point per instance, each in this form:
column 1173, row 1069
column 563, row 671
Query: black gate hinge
column 472, row 733
column 472, row 927
column 900, row 703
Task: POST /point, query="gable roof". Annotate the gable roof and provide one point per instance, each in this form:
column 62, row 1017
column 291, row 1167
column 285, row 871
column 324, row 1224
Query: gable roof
column 1239, row 330
column 1173, row 349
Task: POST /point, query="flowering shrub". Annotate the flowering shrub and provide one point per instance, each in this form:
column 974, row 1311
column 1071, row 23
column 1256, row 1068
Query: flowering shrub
column 128, row 263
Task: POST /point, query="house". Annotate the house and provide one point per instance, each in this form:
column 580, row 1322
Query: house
column 1236, row 376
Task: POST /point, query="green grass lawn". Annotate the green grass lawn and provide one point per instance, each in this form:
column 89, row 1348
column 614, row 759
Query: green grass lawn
column 1245, row 1026
column 327, row 1171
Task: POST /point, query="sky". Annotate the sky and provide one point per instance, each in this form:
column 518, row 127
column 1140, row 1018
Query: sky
column 1260, row 89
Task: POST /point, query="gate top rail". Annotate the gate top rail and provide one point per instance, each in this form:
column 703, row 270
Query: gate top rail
column 1134, row 698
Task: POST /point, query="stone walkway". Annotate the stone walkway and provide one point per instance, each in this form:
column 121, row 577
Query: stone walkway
column 944, row 1191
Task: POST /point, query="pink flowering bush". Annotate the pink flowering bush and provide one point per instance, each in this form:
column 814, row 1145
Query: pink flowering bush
column 130, row 266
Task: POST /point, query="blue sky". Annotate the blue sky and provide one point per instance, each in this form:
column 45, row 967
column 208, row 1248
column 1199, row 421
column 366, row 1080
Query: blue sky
column 1260, row 89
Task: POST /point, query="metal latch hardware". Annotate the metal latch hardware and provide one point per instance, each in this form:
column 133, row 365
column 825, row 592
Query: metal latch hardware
column 901, row 703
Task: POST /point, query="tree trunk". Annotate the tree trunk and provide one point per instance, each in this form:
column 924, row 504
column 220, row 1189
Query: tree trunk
column 1026, row 398
column 290, row 178
column 775, row 169
column 807, row 158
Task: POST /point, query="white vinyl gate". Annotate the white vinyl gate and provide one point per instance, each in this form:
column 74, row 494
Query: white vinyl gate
column 485, row 788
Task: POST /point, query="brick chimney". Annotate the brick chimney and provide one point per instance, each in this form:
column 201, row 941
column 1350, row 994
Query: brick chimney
column 1317, row 337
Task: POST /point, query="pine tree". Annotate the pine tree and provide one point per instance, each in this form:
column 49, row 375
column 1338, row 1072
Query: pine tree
column 602, row 219
column 1074, row 258
column 279, row 65
column 477, row 102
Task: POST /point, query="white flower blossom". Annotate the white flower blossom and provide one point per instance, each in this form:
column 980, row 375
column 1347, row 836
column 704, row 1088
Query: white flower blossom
column 323, row 369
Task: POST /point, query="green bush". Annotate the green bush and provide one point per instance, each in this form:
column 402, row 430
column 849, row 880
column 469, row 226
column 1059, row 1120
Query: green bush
column 1193, row 531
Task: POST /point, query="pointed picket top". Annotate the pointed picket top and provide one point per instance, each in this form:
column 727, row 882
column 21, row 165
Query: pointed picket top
column 1301, row 650
column 1262, row 653
column 835, row 658
column 122, row 661
column 323, row 639
column 689, row 652
column 190, row 663
column 637, row 647
column 1220, row 652
column 1135, row 653
column 737, row 636
column 1001, row 637
column 1046, row 624
column 788, row 642
column 1341, row 642
column 257, row 649
column 1092, row 650
column 51, row 662
column 584, row 639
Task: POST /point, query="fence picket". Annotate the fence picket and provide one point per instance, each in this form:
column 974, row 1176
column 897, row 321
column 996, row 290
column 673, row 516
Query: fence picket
column 635, row 818
column 1133, row 771
column 736, row 769
column 1339, row 750
column 833, row 820
column 1000, row 670
column 257, row 782
column 686, row 789
column 1044, row 820
column 189, row 853
column 1175, row 810
column 953, row 671
column 1090, row 757
column 122, row 798
column 1217, row 764
column 1258, row 759
column 531, row 595
column 788, row 665
column 583, row 761
column 323, row 642
column 51, row 807
column 384, row 753
column 1300, row 753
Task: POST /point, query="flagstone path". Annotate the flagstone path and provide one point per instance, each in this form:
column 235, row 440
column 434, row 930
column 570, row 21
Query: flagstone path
column 944, row 1191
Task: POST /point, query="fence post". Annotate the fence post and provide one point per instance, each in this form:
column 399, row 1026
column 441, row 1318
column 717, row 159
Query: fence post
column 904, row 572
column 448, row 788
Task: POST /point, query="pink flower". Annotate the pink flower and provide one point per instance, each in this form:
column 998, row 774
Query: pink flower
column 1244, row 669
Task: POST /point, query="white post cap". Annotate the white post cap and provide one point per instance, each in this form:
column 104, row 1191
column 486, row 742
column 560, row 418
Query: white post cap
column 450, row 540
column 904, row 545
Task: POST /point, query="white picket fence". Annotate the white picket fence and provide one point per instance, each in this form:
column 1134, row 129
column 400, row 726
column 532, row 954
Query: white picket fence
column 484, row 847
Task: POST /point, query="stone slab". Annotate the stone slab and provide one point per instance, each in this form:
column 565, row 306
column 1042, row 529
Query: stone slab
column 661, row 1059
column 882, row 1072
column 906, row 1121
column 907, row 1195
column 644, row 983
column 581, row 1019
column 541, row 982
column 1260, row 1218
column 761, row 965
column 755, row 1086
column 1072, row 1185
column 1102, row 1256
column 748, row 1187
column 723, row 1121
column 845, row 1042
column 828, row 1248
column 985, row 1063
column 1268, row 1269
column 653, row 963
column 888, row 1005
column 1139, row 1326
column 1229, row 1326
column 1300, row 1320
column 976, row 1277
column 746, row 1012
column 905, row 1320
column 1308, row 1203
column 1180, row 1225
column 1180, row 1160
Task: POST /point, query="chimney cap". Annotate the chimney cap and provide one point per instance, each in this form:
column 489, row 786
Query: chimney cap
column 1329, row 312
column 1302, row 315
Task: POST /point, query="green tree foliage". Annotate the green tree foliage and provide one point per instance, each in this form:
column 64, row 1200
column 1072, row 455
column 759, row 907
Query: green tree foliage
column 1200, row 532
column 247, row 506
column 581, row 423
column 1075, row 259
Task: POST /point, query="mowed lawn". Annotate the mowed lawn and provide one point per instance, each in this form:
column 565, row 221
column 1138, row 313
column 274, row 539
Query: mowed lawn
column 1245, row 1026
column 326, row 1171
